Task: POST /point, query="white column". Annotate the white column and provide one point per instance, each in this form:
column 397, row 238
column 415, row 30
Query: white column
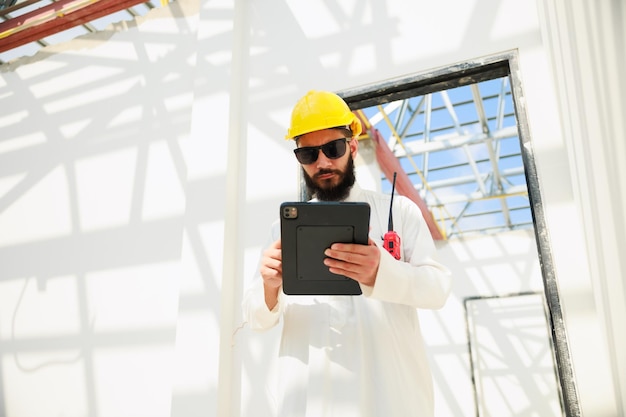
column 229, row 378
column 587, row 44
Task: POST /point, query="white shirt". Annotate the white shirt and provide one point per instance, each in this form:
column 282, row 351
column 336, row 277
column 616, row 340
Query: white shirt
column 362, row 355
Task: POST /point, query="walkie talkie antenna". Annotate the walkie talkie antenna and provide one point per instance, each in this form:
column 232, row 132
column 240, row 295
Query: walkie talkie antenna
column 393, row 189
column 391, row 240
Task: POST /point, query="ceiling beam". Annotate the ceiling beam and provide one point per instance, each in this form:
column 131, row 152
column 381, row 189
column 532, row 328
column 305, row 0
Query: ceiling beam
column 54, row 18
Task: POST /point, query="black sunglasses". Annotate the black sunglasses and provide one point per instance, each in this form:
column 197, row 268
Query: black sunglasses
column 333, row 150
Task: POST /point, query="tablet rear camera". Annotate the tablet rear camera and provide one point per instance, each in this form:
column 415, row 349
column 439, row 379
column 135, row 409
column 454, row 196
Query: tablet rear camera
column 290, row 212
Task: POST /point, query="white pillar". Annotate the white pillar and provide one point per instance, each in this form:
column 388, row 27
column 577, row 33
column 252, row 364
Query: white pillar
column 229, row 378
column 587, row 44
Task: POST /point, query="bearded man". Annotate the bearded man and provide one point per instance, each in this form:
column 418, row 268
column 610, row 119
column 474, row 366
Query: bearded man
column 343, row 355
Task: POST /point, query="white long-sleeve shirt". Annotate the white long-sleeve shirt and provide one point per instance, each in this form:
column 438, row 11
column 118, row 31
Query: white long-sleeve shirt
column 360, row 356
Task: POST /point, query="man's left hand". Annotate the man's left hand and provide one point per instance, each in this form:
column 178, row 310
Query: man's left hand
column 359, row 262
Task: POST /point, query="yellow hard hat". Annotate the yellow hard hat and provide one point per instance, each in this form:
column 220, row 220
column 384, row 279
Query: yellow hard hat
column 319, row 110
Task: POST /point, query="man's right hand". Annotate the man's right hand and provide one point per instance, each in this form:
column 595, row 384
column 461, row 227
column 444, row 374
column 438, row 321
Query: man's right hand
column 272, row 273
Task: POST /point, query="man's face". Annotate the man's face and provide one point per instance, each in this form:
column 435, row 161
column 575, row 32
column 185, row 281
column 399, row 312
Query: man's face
column 329, row 179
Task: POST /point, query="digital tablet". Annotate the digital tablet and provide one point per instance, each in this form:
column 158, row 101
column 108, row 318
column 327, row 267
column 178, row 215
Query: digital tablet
column 307, row 230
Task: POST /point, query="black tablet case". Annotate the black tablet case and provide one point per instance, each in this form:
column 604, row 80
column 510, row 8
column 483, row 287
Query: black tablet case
column 307, row 229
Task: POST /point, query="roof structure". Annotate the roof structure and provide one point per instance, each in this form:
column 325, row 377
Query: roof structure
column 28, row 25
column 460, row 148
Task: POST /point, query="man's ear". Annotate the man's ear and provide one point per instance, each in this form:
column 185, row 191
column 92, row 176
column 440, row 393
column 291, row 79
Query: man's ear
column 354, row 146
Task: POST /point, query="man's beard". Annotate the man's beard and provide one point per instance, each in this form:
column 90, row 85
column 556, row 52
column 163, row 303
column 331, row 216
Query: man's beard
column 325, row 192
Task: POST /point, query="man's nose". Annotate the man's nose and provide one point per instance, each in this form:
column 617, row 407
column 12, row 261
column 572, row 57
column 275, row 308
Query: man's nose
column 322, row 160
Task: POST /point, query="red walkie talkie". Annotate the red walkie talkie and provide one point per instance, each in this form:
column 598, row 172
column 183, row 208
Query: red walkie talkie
column 392, row 240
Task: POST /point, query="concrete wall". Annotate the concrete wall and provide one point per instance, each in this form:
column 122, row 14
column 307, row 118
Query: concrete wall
column 140, row 169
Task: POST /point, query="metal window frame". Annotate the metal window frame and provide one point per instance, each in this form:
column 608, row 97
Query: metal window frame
column 471, row 352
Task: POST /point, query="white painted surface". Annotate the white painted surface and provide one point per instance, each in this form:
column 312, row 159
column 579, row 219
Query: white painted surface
column 114, row 154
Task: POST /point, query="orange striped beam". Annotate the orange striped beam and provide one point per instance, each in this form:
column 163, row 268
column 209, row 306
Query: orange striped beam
column 54, row 18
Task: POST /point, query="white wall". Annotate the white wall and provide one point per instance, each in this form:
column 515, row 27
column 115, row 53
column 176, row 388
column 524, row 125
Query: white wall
column 140, row 170
column 97, row 221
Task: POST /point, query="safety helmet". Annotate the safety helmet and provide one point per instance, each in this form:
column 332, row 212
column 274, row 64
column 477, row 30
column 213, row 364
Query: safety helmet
column 319, row 110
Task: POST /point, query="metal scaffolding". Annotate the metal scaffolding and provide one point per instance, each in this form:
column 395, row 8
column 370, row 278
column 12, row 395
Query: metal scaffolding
column 460, row 147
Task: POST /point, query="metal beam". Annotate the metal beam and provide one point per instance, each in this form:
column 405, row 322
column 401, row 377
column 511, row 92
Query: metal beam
column 55, row 18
